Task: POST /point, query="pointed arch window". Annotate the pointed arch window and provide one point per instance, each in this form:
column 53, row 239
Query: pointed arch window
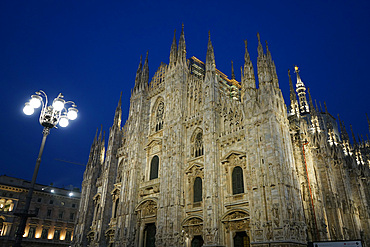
column 159, row 117
column 154, row 165
column 197, row 145
column 197, row 190
column 237, row 180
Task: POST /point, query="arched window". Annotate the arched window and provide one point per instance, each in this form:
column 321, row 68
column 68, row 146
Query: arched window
column 197, row 189
column 154, row 164
column 237, row 180
column 159, row 117
column 197, row 144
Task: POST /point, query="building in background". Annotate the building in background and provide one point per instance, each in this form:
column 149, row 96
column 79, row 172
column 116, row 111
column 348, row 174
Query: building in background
column 204, row 160
column 55, row 209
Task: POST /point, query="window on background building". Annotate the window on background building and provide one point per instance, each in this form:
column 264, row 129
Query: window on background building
column 56, row 235
column 73, row 205
column 72, row 216
column 37, row 210
column 68, row 236
column 31, row 232
column 39, row 199
column 197, row 189
column 48, row 213
column 154, row 164
column 237, row 180
column 44, row 233
column 51, row 202
column 61, row 213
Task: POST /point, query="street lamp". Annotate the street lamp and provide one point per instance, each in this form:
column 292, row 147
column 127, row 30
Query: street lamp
column 50, row 116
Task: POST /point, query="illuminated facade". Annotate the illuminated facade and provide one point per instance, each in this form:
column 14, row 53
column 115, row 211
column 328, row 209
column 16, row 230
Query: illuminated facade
column 55, row 212
column 204, row 160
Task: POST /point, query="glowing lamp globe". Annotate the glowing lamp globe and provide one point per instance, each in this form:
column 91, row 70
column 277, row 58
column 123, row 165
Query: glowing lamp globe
column 63, row 122
column 58, row 104
column 35, row 101
column 28, row 109
column 72, row 113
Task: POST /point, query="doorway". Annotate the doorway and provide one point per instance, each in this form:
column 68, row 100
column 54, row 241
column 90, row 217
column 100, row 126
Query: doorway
column 197, row 241
column 241, row 239
column 149, row 233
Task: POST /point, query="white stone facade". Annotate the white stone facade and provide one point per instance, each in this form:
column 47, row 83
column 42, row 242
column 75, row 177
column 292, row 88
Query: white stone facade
column 204, row 160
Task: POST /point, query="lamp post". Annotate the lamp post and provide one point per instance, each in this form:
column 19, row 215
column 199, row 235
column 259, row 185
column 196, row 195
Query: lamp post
column 50, row 116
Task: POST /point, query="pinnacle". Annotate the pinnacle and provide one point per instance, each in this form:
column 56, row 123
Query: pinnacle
column 232, row 70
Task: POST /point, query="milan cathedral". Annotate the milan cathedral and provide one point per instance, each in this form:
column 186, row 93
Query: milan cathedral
column 204, row 160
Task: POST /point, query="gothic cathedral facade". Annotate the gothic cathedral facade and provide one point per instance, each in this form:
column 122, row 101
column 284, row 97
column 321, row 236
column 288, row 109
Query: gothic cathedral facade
column 204, row 160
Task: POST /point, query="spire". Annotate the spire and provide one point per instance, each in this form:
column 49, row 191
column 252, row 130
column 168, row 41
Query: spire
column 102, row 140
column 101, row 129
column 260, row 61
column 138, row 74
column 268, row 53
column 181, row 52
column 118, row 113
column 320, row 106
column 249, row 80
column 343, row 132
column 294, row 109
column 210, row 58
column 326, row 109
column 173, row 53
column 145, row 73
column 263, row 67
column 310, row 100
column 301, row 91
column 260, row 48
column 241, row 74
column 232, row 70
column 317, row 108
column 368, row 122
column 293, row 96
column 271, row 66
column 353, row 137
column 96, row 136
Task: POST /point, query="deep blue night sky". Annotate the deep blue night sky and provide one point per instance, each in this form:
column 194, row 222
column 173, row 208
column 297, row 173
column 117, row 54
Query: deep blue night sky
column 90, row 50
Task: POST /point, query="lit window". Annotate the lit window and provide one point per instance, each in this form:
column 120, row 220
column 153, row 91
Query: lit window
column 68, row 236
column 56, row 235
column 31, row 232
column 44, row 233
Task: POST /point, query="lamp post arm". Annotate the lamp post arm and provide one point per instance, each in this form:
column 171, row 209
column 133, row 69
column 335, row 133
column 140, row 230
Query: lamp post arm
column 25, row 214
